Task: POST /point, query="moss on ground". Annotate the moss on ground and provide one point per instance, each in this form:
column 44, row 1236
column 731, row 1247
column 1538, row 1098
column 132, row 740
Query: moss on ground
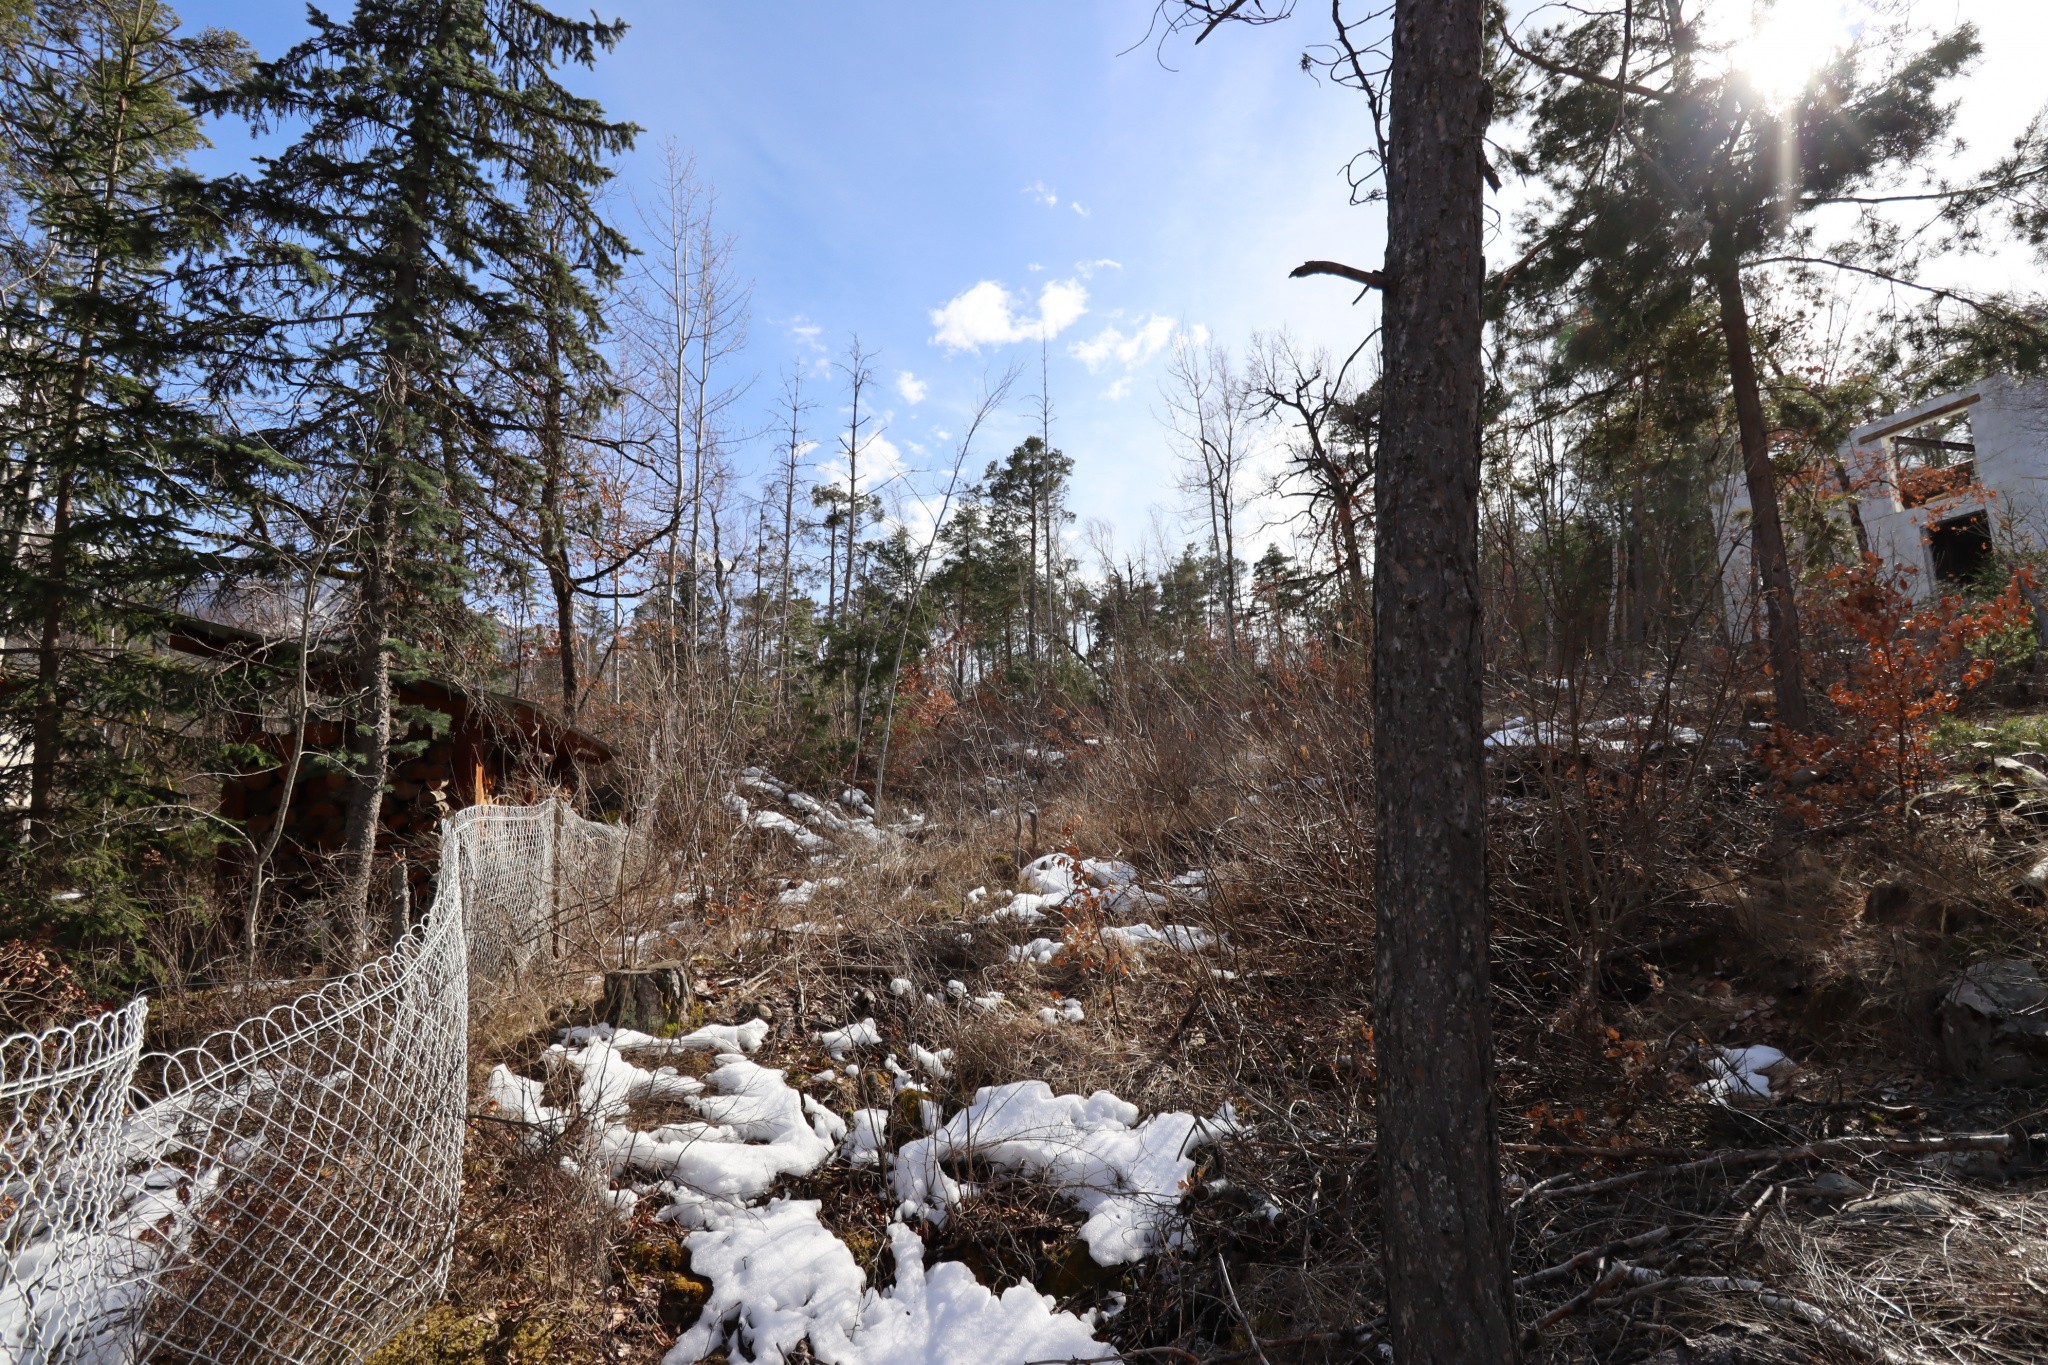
column 2006, row 734
column 450, row 1335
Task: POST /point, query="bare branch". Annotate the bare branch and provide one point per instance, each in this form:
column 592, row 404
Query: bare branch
column 1371, row 279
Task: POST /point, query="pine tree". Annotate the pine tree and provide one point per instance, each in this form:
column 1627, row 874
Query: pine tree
column 113, row 480
column 1673, row 179
column 396, row 224
column 559, row 387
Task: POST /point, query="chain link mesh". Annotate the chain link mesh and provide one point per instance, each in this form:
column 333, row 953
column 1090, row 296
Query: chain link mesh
column 63, row 1099
column 293, row 1194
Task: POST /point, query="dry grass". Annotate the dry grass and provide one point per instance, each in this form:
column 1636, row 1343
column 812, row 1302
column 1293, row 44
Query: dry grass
column 1624, row 945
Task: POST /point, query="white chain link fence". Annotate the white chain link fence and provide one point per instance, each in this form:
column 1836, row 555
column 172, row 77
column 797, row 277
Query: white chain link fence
column 292, row 1195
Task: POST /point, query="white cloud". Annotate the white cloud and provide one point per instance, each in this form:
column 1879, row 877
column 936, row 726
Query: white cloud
column 1086, row 269
column 1076, row 206
column 912, row 388
column 990, row 315
column 880, row 461
column 1120, row 389
column 1060, row 306
column 1130, row 349
column 1040, row 194
column 806, row 333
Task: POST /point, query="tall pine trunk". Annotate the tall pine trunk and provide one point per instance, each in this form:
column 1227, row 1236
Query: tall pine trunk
column 1444, row 1253
column 46, row 725
column 46, row 729
column 1766, row 530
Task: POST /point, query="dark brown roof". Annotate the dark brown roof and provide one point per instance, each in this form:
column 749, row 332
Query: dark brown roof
column 197, row 636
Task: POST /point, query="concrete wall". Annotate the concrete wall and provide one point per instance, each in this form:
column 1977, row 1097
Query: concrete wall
column 2009, row 426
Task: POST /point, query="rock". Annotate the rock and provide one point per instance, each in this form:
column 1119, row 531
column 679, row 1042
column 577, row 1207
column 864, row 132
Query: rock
column 1835, row 1185
column 2026, row 773
column 2034, row 881
column 1994, row 1022
column 1900, row 1206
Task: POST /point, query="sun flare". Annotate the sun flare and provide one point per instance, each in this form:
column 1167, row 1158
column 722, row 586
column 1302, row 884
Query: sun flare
column 1789, row 41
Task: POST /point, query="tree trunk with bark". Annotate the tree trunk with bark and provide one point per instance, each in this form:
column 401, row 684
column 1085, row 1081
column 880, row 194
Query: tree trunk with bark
column 1445, row 1245
column 1766, row 529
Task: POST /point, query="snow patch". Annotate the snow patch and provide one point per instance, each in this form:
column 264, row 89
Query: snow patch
column 1107, row 875
column 1052, row 875
column 1040, row 951
column 1185, row 937
column 1127, row 1176
column 779, row 1278
column 1734, row 1071
column 840, row 1041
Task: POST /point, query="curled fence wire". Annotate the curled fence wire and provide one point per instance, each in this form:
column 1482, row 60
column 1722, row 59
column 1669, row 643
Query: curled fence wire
column 63, row 1096
column 292, row 1195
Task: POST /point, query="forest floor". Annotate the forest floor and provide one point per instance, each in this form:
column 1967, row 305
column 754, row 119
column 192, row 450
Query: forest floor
column 997, row 1091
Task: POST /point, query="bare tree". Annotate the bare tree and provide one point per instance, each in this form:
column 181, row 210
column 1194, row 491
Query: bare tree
column 1213, row 413
column 689, row 319
column 1330, row 449
column 860, row 375
column 992, row 397
column 793, row 450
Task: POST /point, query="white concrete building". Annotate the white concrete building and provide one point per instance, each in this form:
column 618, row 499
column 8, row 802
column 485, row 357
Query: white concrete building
column 1936, row 487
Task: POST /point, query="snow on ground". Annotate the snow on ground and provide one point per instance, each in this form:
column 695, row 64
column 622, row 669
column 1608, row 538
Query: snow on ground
column 1126, row 1175
column 820, row 827
column 1052, row 875
column 710, row 1038
column 1025, row 908
column 1739, row 1071
column 840, row 1041
column 1126, row 902
column 1067, row 1012
column 1185, row 937
column 754, row 1130
column 775, row 820
column 1104, row 875
column 780, row 1278
column 1040, row 951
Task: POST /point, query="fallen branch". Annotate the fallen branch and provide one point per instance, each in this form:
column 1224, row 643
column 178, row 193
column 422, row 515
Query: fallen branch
column 1609, row 1281
column 1812, row 1151
column 1581, row 1149
column 1588, row 1257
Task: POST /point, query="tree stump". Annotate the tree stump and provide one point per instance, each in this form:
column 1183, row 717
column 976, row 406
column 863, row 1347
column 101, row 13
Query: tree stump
column 653, row 999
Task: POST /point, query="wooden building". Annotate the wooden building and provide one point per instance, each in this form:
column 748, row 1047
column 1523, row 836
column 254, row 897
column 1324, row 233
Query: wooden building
column 461, row 747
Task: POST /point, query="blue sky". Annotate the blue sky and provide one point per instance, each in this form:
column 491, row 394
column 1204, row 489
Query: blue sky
column 878, row 162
